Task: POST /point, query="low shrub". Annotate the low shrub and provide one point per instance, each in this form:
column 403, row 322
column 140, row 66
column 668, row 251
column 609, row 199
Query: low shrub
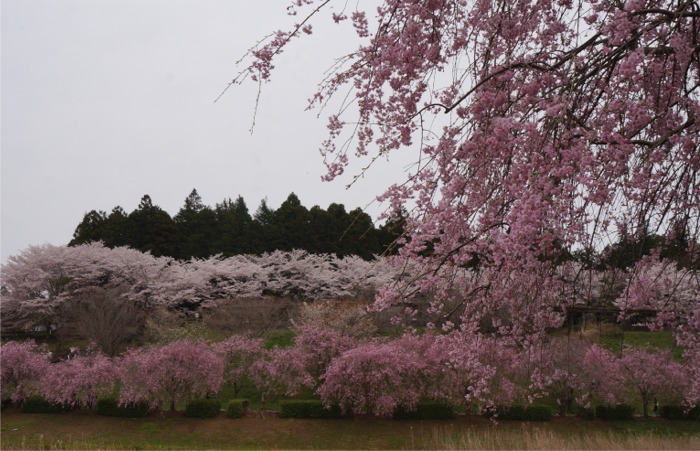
column 110, row 407
column 237, row 408
column 425, row 411
column 679, row 413
column 515, row 412
column 203, row 408
column 37, row 404
column 538, row 413
column 587, row 413
column 524, row 413
column 618, row 412
column 307, row 408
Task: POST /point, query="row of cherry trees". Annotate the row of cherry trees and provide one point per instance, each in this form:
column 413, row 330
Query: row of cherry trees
column 42, row 281
column 363, row 376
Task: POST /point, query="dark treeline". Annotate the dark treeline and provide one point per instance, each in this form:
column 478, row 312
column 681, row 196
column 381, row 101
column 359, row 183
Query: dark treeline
column 200, row 231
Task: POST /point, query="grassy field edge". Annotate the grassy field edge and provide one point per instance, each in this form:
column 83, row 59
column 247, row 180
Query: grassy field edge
column 82, row 430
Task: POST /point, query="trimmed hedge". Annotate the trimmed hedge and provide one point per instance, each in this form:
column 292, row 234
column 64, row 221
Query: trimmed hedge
column 524, row 413
column 679, row 413
column 237, row 408
column 109, row 407
column 619, row 412
column 203, row 408
column 307, row 408
column 425, row 411
column 37, row 404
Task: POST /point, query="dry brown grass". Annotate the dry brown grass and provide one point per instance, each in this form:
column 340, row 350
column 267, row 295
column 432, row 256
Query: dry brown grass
column 539, row 439
column 82, row 430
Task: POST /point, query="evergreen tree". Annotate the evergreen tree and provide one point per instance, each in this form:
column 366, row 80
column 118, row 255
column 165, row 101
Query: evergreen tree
column 391, row 232
column 152, row 229
column 290, row 225
column 360, row 236
column 236, row 230
column 198, row 231
column 116, row 229
column 90, row 229
column 319, row 240
column 196, row 224
column 265, row 228
column 629, row 250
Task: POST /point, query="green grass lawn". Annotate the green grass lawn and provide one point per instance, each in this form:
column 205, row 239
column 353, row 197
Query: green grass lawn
column 85, row 430
column 613, row 341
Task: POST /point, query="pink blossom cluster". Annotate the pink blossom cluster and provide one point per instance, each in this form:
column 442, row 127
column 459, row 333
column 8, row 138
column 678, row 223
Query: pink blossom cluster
column 538, row 127
column 171, row 373
column 372, row 376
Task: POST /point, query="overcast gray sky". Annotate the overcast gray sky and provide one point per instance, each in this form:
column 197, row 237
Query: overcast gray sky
column 104, row 101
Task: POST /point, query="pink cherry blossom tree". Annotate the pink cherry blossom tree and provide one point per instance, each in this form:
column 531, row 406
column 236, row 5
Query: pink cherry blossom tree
column 42, row 281
column 79, row 381
column 320, row 345
column 453, row 370
column 560, row 371
column 172, row 373
column 22, row 366
column 537, row 128
column 239, row 354
column 374, row 378
column 692, row 367
column 672, row 291
column 653, row 375
column 604, row 377
column 281, row 371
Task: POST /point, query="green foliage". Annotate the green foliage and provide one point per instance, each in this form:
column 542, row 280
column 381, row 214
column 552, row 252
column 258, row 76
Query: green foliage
column 248, row 391
column 109, row 407
column 524, row 413
column 203, row 408
column 307, row 408
column 619, row 412
column 37, row 404
column 680, row 413
column 429, row 410
column 237, row 408
column 279, row 338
